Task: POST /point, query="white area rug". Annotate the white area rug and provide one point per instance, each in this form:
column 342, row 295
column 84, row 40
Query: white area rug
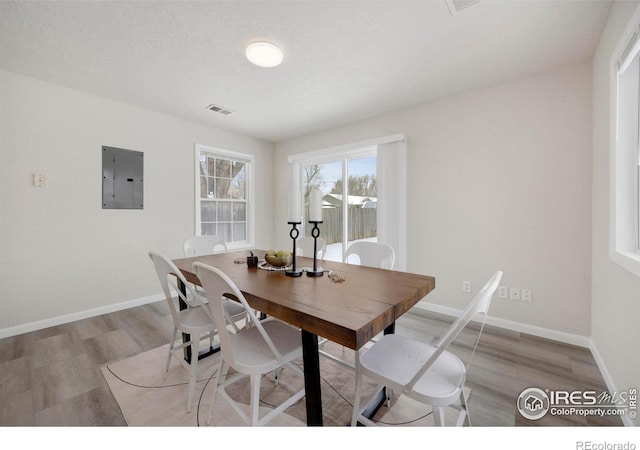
column 146, row 399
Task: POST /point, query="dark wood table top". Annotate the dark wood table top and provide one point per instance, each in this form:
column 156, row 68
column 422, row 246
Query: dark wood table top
column 350, row 313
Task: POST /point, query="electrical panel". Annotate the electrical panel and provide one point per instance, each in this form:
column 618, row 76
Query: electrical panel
column 122, row 178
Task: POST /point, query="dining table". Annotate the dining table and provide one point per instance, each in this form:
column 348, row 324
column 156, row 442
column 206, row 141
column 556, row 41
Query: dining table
column 350, row 307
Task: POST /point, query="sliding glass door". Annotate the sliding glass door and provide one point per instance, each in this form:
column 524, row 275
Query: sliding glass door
column 349, row 198
column 364, row 193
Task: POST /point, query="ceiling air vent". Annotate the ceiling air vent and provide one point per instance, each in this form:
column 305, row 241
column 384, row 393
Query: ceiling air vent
column 457, row 6
column 219, row 109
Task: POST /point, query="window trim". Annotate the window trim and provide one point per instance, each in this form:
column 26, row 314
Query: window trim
column 624, row 254
column 250, row 237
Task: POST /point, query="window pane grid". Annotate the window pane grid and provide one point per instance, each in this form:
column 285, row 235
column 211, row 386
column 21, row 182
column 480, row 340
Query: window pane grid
column 223, row 196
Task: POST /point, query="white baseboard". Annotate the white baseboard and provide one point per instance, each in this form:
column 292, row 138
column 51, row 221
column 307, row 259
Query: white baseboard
column 59, row 320
column 560, row 336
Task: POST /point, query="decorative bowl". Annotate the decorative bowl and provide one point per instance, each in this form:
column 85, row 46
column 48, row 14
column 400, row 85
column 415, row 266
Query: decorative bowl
column 279, row 261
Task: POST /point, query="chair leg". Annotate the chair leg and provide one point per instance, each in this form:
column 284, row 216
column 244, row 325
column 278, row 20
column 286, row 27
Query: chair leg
column 195, row 344
column 438, row 416
column 171, row 346
column 356, row 401
column 464, row 409
column 255, row 400
column 219, row 379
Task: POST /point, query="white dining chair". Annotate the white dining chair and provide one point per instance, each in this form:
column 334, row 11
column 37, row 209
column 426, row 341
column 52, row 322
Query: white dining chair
column 266, row 346
column 194, row 321
column 304, row 247
column 370, row 254
column 204, row 245
column 426, row 373
column 364, row 253
column 207, row 245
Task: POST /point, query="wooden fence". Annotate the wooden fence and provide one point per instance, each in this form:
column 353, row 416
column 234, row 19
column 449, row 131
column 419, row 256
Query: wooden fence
column 363, row 223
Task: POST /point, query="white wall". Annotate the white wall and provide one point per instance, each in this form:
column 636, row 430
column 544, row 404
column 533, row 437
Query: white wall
column 60, row 252
column 498, row 178
column 616, row 292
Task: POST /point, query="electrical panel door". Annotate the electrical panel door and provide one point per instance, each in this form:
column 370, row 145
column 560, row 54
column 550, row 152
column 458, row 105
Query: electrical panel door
column 122, row 178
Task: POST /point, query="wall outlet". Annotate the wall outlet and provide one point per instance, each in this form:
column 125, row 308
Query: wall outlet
column 503, row 292
column 39, row 179
column 515, row 294
column 526, row 295
column 466, row 286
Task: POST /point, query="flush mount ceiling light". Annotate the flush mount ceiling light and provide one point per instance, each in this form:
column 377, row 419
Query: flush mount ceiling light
column 264, row 54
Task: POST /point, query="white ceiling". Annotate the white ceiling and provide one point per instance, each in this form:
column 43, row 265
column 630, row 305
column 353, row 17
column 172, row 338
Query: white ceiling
column 344, row 60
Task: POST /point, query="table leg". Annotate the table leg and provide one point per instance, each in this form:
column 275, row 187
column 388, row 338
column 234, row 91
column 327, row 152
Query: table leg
column 313, row 394
column 391, row 329
column 183, row 306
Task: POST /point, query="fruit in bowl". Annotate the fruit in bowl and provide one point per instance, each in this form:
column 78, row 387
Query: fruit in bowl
column 280, row 258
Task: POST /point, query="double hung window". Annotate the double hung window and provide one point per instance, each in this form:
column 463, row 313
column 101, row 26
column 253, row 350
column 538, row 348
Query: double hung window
column 223, row 195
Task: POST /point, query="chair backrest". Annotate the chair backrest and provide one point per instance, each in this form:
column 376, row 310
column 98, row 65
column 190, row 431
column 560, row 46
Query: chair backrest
column 169, row 274
column 479, row 306
column 203, row 245
column 305, row 247
column 217, row 285
column 372, row 254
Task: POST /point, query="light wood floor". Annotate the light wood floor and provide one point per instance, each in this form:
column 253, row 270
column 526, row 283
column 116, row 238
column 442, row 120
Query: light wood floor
column 52, row 377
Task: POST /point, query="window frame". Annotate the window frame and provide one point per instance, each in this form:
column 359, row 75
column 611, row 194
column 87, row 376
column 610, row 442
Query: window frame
column 249, row 192
column 624, row 245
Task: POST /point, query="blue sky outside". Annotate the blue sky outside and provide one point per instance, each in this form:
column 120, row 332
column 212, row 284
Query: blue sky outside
column 331, row 172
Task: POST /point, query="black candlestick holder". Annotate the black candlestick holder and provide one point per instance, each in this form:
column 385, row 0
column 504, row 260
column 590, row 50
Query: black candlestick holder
column 315, row 233
column 294, row 233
